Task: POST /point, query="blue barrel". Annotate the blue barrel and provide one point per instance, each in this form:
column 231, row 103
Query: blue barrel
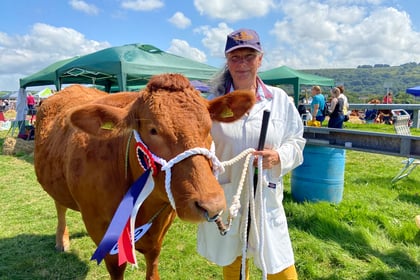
column 321, row 176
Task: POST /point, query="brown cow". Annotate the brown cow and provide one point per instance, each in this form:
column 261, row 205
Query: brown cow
column 85, row 156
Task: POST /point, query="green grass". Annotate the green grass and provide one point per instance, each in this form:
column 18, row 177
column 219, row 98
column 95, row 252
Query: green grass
column 376, row 127
column 371, row 234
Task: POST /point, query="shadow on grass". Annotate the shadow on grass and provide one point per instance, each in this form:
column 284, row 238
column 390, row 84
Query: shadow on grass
column 373, row 181
column 25, row 157
column 29, row 158
column 411, row 198
column 28, row 256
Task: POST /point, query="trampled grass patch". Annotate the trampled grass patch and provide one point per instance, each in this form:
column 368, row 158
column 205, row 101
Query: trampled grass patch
column 371, row 234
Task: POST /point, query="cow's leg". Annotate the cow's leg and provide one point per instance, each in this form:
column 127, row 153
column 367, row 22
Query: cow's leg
column 115, row 271
column 62, row 240
column 152, row 261
column 151, row 243
column 96, row 232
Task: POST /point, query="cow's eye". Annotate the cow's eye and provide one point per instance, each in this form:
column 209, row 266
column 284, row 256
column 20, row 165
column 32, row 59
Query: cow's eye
column 153, row 131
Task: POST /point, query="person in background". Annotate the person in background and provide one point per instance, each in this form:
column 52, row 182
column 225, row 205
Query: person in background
column 346, row 109
column 283, row 151
column 317, row 104
column 5, row 105
column 2, row 108
column 386, row 115
column 387, row 98
column 30, row 101
column 336, row 110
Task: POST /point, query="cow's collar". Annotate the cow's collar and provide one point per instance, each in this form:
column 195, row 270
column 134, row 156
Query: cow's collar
column 145, row 157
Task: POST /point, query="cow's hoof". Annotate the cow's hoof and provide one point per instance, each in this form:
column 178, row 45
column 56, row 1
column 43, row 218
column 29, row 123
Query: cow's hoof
column 64, row 248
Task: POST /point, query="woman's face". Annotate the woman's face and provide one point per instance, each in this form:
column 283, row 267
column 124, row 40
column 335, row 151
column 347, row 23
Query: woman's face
column 243, row 64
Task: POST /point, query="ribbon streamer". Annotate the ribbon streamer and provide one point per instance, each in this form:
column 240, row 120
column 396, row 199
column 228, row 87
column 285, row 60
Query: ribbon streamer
column 127, row 253
column 124, row 245
column 121, row 218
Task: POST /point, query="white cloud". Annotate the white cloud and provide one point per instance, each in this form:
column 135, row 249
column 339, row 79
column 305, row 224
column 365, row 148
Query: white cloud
column 232, row 11
column 386, row 34
column 302, row 34
column 84, row 7
column 333, row 34
column 180, row 20
column 142, row 5
column 182, row 48
column 43, row 45
column 214, row 38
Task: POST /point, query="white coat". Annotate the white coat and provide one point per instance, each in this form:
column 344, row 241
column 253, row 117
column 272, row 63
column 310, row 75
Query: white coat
column 285, row 135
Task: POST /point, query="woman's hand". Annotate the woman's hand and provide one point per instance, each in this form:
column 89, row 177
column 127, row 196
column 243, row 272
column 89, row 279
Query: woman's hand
column 270, row 158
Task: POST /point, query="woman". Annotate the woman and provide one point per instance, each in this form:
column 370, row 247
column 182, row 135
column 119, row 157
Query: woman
column 346, row 107
column 282, row 152
column 317, row 104
column 387, row 98
column 336, row 110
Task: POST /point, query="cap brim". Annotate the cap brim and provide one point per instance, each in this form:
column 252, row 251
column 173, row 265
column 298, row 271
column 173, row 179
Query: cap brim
column 242, row 47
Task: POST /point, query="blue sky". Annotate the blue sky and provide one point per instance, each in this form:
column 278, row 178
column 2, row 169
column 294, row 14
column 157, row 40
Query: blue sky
column 302, row 34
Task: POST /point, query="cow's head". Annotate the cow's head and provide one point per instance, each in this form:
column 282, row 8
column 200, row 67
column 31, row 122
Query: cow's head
column 171, row 118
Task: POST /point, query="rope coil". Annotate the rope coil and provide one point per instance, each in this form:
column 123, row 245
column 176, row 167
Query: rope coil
column 236, row 203
column 249, row 210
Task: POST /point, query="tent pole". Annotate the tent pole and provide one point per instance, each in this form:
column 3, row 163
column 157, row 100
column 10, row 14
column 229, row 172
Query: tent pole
column 296, row 88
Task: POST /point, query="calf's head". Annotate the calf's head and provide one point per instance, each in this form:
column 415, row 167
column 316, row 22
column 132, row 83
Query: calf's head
column 171, row 117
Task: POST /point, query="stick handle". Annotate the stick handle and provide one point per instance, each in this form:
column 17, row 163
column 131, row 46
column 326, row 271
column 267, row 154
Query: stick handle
column 263, row 132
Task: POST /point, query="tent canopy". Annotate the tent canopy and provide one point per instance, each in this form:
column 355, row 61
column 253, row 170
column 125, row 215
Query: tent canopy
column 414, row 91
column 124, row 66
column 287, row 75
column 45, row 93
column 46, row 76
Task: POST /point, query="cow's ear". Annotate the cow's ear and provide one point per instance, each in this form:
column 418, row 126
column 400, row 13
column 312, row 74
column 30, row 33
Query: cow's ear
column 231, row 106
column 97, row 119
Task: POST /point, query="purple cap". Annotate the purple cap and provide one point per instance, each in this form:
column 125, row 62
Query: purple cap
column 243, row 38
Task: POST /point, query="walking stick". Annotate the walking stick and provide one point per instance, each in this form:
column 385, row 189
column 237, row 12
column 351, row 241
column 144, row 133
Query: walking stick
column 261, row 142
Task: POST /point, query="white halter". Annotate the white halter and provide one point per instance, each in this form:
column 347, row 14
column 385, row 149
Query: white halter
column 167, row 165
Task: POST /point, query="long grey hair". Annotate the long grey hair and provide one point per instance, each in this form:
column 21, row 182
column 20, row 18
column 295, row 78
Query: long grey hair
column 221, row 82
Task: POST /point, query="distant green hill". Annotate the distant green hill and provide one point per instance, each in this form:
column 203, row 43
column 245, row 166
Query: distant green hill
column 370, row 81
column 367, row 81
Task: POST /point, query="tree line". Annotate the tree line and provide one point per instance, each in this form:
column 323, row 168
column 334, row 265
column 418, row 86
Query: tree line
column 368, row 82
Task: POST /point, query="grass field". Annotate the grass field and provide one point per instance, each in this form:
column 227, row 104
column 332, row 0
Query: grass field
column 371, row 234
